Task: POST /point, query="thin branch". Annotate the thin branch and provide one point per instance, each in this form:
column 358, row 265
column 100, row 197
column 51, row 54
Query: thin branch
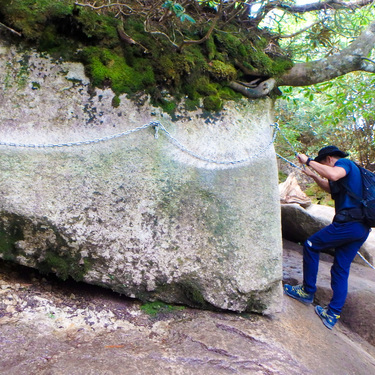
column 371, row 61
column 160, row 33
column 329, row 4
column 345, row 61
column 299, row 31
column 103, row 6
column 8, row 28
column 209, row 32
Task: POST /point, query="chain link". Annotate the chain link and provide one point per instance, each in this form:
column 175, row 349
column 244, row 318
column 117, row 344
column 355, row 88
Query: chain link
column 286, row 139
column 158, row 126
column 225, row 162
column 78, row 143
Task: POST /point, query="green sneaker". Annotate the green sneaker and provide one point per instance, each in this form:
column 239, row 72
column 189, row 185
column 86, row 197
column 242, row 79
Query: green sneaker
column 298, row 292
column 328, row 319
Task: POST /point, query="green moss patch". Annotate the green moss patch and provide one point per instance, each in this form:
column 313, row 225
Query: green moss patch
column 64, row 265
column 319, row 196
column 106, row 67
column 150, row 63
column 10, row 234
column 57, row 257
column 156, row 308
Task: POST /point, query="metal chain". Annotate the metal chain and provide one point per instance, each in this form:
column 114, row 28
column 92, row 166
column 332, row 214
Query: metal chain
column 286, row 139
column 158, row 126
column 79, row 143
column 192, row 153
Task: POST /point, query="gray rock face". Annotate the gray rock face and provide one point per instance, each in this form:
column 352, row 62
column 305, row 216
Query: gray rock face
column 299, row 223
column 137, row 214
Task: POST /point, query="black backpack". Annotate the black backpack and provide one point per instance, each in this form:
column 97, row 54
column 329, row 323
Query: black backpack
column 368, row 195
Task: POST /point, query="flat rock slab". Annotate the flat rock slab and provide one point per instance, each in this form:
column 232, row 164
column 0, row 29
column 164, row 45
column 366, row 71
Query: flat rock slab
column 77, row 329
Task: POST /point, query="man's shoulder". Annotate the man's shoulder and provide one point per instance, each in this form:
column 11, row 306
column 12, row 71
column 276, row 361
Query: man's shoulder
column 346, row 164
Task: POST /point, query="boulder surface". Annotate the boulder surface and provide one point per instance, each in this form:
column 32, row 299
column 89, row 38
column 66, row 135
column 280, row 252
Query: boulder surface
column 78, row 329
column 190, row 217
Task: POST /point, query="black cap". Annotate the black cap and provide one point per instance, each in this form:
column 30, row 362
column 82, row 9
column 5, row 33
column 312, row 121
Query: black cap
column 330, row 151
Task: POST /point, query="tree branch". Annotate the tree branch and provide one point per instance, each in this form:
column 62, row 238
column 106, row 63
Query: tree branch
column 263, row 89
column 11, row 30
column 297, row 32
column 348, row 60
column 329, row 4
column 103, row 6
column 156, row 32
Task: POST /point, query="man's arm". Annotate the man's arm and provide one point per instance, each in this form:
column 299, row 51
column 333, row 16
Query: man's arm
column 332, row 173
column 321, row 182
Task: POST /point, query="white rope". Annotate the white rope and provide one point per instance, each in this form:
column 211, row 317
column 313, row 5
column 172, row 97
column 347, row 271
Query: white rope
column 365, row 260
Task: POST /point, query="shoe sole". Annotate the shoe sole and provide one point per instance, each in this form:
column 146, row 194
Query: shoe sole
column 298, row 299
column 323, row 319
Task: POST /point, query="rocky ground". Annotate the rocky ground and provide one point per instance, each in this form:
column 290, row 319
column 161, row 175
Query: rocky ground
column 52, row 327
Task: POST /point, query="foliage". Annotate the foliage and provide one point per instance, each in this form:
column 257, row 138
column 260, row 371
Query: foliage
column 319, row 196
column 330, row 30
column 30, row 15
column 339, row 112
column 168, row 48
column 178, row 10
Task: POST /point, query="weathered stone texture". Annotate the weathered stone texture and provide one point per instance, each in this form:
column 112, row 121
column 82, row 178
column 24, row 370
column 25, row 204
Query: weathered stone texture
column 138, row 214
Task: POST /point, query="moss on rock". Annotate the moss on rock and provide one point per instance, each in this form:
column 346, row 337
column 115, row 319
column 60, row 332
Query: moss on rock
column 53, row 254
column 151, row 63
column 212, row 103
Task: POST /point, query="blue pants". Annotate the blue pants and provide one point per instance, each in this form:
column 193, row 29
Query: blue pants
column 346, row 239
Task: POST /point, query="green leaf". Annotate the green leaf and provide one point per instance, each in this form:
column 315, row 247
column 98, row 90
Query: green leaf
column 190, row 19
column 178, row 8
column 168, row 4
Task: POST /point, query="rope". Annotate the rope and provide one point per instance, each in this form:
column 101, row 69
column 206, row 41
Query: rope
column 365, row 260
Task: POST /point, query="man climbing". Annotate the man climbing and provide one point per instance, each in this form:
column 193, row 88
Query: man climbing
column 346, row 234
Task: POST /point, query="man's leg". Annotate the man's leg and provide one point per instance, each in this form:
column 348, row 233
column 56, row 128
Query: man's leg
column 327, row 238
column 344, row 256
column 332, row 236
column 355, row 234
column 311, row 252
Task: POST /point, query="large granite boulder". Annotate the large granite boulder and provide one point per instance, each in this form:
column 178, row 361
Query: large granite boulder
column 141, row 215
